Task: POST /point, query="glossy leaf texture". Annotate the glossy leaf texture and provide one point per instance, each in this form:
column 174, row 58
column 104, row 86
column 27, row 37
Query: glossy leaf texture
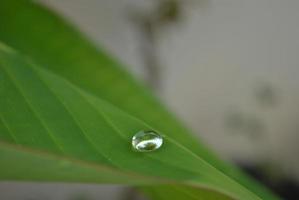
column 71, row 103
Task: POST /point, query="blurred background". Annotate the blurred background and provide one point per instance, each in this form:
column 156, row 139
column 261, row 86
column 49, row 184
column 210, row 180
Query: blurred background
column 228, row 68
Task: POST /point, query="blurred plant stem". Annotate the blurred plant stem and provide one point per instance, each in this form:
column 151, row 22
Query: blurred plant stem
column 149, row 25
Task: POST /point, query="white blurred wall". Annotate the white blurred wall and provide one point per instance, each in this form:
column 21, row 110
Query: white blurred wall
column 214, row 62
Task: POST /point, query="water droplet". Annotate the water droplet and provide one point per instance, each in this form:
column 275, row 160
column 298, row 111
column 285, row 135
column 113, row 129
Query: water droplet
column 145, row 141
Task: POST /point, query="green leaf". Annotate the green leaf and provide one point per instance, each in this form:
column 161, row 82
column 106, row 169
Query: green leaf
column 41, row 111
column 64, row 114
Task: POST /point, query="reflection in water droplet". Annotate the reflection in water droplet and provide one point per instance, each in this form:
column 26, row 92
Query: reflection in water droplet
column 145, row 141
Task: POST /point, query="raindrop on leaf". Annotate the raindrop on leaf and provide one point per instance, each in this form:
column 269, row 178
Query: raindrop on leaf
column 146, row 141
